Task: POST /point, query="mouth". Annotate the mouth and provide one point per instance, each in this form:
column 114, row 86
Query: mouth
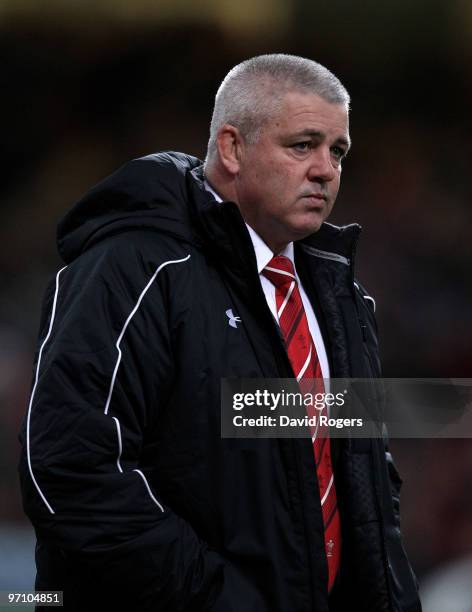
column 317, row 200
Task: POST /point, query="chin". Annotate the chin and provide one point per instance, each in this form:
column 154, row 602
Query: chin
column 313, row 226
column 313, row 230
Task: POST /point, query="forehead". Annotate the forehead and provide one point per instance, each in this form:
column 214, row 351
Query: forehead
column 305, row 111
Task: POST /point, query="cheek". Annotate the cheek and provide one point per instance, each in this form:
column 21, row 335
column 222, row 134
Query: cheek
column 270, row 171
column 263, row 177
column 272, row 184
column 274, row 181
column 337, row 184
column 287, row 179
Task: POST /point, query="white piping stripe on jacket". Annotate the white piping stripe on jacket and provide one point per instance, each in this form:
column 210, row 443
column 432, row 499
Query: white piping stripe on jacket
column 131, row 315
column 28, row 453
column 367, row 297
column 149, row 489
column 325, row 254
column 287, row 297
column 120, row 446
column 117, row 365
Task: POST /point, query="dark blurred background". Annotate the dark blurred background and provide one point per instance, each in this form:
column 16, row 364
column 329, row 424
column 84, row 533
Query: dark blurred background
column 89, row 84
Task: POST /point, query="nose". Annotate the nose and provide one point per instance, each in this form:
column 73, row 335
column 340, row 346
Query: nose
column 321, row 165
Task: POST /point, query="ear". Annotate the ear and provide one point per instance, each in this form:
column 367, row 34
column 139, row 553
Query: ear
column 229, row 142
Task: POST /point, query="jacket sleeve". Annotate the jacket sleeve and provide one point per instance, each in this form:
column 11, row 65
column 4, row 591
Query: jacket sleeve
column 103, row 370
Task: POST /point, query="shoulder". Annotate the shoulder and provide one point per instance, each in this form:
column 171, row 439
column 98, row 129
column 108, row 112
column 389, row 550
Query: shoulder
column 150, row 191
column 98, row 292
column 124, row 264
column 150, row 178
column 169, row 167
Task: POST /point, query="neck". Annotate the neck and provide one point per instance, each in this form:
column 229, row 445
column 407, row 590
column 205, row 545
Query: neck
column 221, row 181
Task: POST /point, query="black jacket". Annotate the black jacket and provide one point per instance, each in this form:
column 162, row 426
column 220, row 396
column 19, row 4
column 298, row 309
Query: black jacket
column 135, row 497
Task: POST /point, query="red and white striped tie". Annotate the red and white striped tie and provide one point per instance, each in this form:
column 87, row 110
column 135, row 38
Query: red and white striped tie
column 306, row 366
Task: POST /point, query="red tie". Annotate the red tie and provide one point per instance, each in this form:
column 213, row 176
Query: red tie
column 306, row 365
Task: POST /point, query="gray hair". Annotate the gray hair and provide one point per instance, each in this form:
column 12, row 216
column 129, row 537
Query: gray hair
column 252, row 92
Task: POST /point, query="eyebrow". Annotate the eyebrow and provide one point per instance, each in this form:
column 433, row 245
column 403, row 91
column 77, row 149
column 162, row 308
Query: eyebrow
column 317, row 134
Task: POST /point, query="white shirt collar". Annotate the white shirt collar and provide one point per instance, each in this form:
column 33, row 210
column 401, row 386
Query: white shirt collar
column 209, row 188
column 262, row 251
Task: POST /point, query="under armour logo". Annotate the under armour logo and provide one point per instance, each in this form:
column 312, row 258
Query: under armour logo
column 233, row 321
column 329, row 546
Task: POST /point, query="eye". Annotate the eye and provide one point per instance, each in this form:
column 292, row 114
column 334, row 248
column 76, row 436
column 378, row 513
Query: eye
column 338, row 152
column 302, row 146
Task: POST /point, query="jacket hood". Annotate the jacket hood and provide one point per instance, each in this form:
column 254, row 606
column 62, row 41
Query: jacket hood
column 145, row 193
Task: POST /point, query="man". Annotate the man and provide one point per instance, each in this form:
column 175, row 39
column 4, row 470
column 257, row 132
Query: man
column 169, row 287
